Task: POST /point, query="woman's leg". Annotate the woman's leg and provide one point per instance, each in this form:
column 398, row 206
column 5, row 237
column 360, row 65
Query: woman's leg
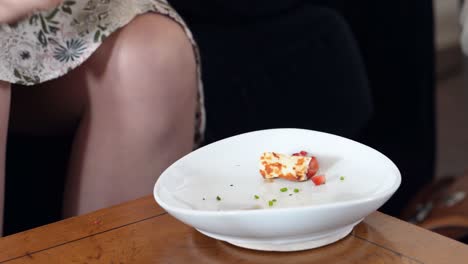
column 4, row 114
column 139, row 114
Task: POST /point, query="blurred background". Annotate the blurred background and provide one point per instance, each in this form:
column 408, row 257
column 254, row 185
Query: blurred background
column 451, row 91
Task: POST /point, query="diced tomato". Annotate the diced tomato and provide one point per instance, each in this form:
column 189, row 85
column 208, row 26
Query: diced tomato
column 318, row 179
column 313, row 167
column 302, row 153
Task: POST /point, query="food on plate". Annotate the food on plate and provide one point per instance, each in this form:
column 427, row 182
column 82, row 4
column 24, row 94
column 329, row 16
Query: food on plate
column 318, row 179
column 296, row 167
column 271, row 202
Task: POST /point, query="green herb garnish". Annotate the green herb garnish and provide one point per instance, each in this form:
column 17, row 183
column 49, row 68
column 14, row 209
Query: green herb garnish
column 218, row 198
column 342, row 178
column 257, row 197
column 296, row 190
column 284, row 189
column 270, row 203
column 274, row 200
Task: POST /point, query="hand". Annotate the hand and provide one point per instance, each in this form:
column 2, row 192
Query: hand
column 13, row 10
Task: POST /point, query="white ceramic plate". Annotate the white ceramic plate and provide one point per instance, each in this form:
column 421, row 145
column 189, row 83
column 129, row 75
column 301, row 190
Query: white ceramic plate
column 313, row 217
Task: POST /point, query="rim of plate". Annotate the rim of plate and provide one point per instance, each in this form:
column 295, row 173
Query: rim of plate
column 389, row 191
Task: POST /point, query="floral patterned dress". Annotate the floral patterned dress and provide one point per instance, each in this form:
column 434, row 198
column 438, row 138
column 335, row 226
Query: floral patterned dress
column 49, row 44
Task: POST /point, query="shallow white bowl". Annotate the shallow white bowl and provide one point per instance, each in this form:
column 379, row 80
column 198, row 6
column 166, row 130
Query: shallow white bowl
column 313, row 217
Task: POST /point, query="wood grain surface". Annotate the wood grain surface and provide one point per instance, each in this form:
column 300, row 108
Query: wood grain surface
column 141, row 232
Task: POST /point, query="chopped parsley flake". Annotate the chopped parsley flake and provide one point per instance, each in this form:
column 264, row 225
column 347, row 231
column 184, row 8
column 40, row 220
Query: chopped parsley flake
column 296, row 190
column 342, row 178
column 284, row 189
column 272, row 202
column 218, row 198
column 257, row 197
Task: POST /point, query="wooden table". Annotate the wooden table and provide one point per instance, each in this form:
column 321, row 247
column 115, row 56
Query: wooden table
column 141, row 232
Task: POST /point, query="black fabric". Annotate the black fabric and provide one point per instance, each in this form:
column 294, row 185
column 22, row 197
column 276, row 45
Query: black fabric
column 303, row 67
column 220, row 12
column 35, row 172
column 396, row 40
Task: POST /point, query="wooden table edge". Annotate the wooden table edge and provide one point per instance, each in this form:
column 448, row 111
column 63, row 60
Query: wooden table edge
column 389, row 239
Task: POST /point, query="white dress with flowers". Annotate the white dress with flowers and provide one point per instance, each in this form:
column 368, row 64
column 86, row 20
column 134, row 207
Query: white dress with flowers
column 49, row 44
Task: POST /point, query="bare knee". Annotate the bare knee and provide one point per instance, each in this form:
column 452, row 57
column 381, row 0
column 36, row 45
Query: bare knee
column 148, row 71
column 150, row 42
column 156, row 49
